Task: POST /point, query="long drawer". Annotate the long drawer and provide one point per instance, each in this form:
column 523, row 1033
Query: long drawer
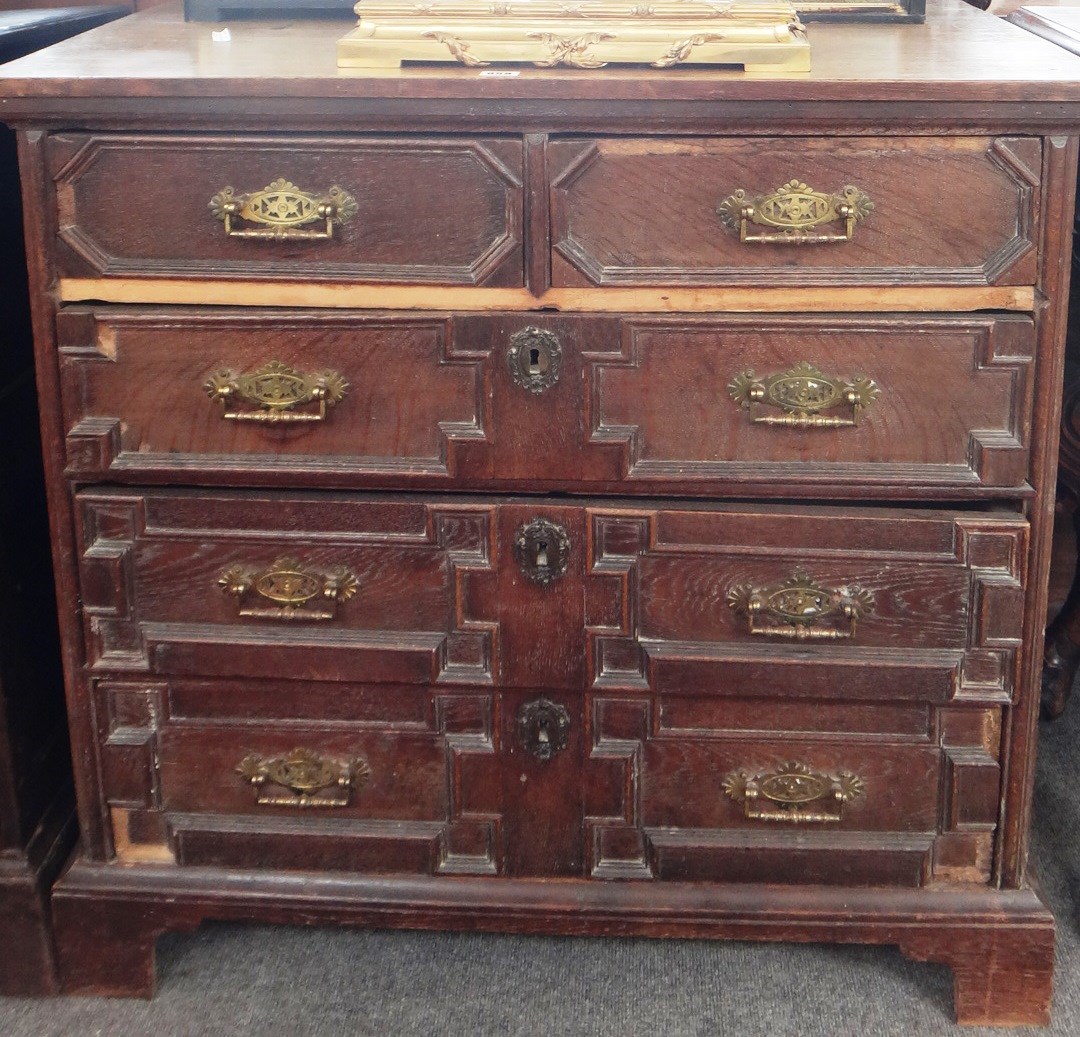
column 421, row 210
column 386, row 778
column 786, row 602
column 809, row 405
column 794, row 211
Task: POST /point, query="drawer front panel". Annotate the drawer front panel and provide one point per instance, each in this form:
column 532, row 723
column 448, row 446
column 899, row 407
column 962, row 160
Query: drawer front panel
column 397, row 779
column 679, row 793
column 435, row 211
column 789, row 602
column 668, row 212
column 773, row 405
column 410, row 781
column 336, row 588
column 236, row 396
column 792, row 602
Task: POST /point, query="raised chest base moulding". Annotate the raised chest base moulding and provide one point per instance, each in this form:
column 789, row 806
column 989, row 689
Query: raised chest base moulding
column 591, row 502
column 998, row 944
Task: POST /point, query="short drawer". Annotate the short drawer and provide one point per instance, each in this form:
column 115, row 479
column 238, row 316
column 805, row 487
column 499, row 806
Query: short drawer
column 824, row 405
column 857, row 604
column 362, row 778
column 763, row 791
column 795, row 603
column 421, row 210
column 790, row 211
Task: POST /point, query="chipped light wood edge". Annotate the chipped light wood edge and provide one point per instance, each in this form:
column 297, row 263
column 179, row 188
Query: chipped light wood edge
column 128, row 852
column 595, row 300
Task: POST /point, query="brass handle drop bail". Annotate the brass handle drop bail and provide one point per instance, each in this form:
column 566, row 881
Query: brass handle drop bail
column 805, row 397
column 794, row 214
column 303, row 778
column 276, row 394
column 801, row 609
column 288, row 590
column 283, row 212
column 793, row 793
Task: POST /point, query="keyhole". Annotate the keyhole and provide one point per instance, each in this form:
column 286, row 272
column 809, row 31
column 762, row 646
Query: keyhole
column 534, row 361
column 541, row 557
column 542, row 735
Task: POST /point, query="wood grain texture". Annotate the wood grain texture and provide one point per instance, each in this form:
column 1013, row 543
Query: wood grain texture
column 659, row 615
column 1060, row 177
column 604, row 300
column 452, row 789
column 955, row 211
column 36, row 804
column 640, row 405
column 157, row 55
column 664, row 685
column 998, row 943
column 403, row 229
column 657, row 809
column 442, row 596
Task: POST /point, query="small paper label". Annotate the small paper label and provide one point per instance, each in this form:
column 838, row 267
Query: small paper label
column 500, row 73
column 220, row 35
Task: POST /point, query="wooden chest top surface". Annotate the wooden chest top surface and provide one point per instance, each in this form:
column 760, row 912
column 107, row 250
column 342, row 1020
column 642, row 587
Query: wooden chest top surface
column 959, row 54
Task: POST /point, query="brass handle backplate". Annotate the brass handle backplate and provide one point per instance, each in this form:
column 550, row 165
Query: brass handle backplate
column 534, row 359
column 282, row 212
column 794, row 214
column 543, row 551
column 802, row 609
column 276, row 394
column 288, row 590
column 805, row 397
column 303, row 778
column 543, row 728
column 793, row 793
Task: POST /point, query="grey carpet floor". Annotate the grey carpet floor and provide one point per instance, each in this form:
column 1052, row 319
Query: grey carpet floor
column 270, row 981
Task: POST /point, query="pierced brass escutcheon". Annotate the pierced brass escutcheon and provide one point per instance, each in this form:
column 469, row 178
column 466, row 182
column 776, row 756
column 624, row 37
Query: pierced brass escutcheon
column 543, row 728
column 283, row 212
column 794, row 212
column 293, row 591
column 543, row 551
column 805, row 396
column 275, row 392
column 303, row 778
column 799, row 607
column 534, row 359
column 793, row 793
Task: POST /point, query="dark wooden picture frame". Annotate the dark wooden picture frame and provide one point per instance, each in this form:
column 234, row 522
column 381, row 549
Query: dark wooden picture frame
column 809, row 10
column 861, row 10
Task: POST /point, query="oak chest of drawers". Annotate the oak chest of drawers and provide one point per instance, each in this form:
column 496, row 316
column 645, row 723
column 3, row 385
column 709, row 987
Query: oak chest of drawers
column 611, row 504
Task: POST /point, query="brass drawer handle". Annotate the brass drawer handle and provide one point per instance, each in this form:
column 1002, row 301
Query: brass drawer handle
column 799, row 607
column 805, row 396
column 303, row 779
column 275, row 392
column 793, row 212
column 283, row 212
column 292, row 591
column 793, row 793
